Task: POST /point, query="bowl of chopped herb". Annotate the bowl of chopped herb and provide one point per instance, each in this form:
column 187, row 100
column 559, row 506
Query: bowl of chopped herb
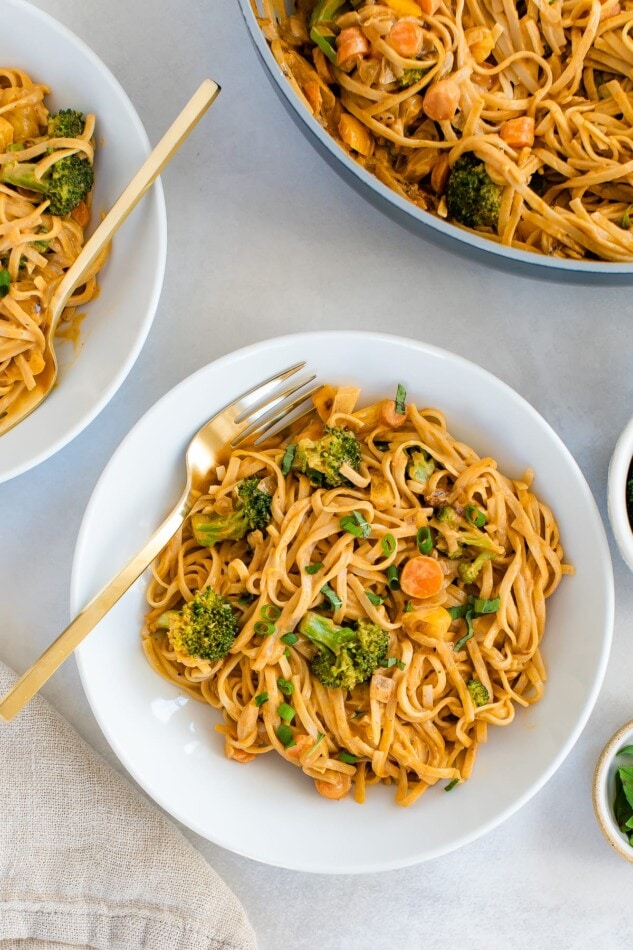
column 613, row 791
column 620, row 494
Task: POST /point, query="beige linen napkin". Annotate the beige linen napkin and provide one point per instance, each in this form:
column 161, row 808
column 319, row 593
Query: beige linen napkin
column 85, row 861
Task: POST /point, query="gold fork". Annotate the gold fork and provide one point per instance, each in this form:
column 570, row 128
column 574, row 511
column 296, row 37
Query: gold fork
column 258, row 413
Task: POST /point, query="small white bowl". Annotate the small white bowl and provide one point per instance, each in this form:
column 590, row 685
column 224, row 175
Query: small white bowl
column 118, row 320
column 604, row 790
column 616, row 494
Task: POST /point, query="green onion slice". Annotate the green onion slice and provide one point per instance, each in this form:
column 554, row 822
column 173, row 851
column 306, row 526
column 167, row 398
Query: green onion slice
column 286, row 687
column 285, row 712
column 483, row 606
column 288, row 459
column 424, row 540
column 284, row 734
column 355, row 524
column 381, row 446
column 270, row 612
column 348, row 757
column 374, row 599
column 408, row 607
column 314, row 568
column 261, row 698
column 469, row 632
column 459, row 611
column 289, row 638
column 5, row 282
column 325, row 43
column 388, row 545
column 332, row 596
column 475, row 515
column 263, row 628
column 451, row 785
column 393, row 578
column 401, row 395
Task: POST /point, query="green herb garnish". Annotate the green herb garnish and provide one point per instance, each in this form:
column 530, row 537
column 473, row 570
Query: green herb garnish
column 284, row 734
column 401, row 396
column 285, row 712
column 314, row 568
column 261, row 698
column 388, row 545
column 288, row 459
column 355, row 524
column 393, row 578
column 332, row 596
column 289, row 638
column 5, row 283
column 348, row 757
column 270, row 612
column 264, row 629
column 475, row 515
column 374, row 599
column 451, row 785
column 424, row 540
column 286, row 687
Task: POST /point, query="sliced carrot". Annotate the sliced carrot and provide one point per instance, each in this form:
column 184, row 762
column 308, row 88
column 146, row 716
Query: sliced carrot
column 335, row 789
column 421, row 577
column 519, row 132
column 349, row 43
column 81, row 214
column 407, row 38
column 389, row 416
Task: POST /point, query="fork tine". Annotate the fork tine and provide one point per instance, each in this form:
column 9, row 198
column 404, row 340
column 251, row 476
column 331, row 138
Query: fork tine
column 252, row 417
column 277, row 412
column 259, row 392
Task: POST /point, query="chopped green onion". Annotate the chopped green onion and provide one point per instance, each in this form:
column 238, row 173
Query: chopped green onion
column 348, row 757
column 314, row 568
column 244, row 599
column 451, row 785
column 264, row 629
column 287, row 653
column 5, row 282
column 285, row 712
column 393, row 578
column 355, row 524
column 469, row 632
column 401, row 665
column 289, row 638
column 374, row 599
column 394, row 661
column 408, row 607
column 483, row 606
column 16, row 147
column 459, row 611
column 332, row 596
column 284, row 734
column 261, row 698
column 288, row 459
column 389, row 545
column 381, row 446
column 286, row 687
column 401, row 395
column 475, row 515
column 270, row 612
column 424, row 540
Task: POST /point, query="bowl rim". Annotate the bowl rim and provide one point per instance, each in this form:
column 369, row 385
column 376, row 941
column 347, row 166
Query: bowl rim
column 156, row 195
column 616, row 493
column 600, row 794
column 573, row 268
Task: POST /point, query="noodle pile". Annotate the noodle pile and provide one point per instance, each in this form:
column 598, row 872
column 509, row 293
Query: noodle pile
column 417, row 721
column 36, row 247
column 541, row 91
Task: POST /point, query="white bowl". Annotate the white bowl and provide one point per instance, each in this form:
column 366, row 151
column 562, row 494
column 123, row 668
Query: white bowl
column 118, row 320
column 616, row 494
column 267, row 810
column 604, row 790
column 448, row 235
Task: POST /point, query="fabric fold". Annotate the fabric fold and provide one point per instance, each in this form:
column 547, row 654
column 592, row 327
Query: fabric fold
column 85, row 861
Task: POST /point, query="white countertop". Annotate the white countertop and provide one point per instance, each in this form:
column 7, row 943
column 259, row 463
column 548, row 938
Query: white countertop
column 265, row 239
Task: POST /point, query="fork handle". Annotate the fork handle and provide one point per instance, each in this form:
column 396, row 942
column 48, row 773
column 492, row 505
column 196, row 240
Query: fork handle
column 32, row 681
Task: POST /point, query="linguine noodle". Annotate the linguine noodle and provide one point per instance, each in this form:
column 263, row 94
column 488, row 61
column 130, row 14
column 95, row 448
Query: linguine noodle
column 541, row 91
column 418, row 720
column 36, row 247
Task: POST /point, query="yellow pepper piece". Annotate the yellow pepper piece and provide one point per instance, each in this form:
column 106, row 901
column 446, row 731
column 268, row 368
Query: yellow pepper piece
column 433, row 621
column 6, row 134
column 404, row 7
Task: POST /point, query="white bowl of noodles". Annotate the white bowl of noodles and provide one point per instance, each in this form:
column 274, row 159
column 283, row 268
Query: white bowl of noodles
column 592, row 238
column 168, row 741
column 94, row 363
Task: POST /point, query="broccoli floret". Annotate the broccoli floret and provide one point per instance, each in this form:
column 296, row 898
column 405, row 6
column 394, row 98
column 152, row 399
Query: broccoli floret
column 205, row 627
column 321, row 460
column 472, row 197
column 479, row 693
column 66, row 124
column 467, row 533
column 65, row 184
column 469, row 570
column 421, row 466
column 252, row 513
column 345, row 656
column 411, row 76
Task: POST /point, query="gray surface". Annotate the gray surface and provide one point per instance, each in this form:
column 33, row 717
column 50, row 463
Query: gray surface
column 265, row 239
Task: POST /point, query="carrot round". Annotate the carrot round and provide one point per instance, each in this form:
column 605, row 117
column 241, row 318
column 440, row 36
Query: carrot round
column 421, row 577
